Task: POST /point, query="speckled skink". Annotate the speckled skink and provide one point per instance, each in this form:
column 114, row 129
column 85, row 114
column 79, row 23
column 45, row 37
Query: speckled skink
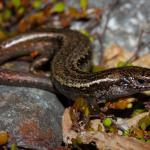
column 70, row 67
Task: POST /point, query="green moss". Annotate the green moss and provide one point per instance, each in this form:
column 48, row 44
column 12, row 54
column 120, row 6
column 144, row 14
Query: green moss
column 16, row 3
column 144, row 122
column 7, row 14
column 83, row 4
column 37, row 4
column 13, row 147
column 107, row 122
column 59, row 7
column 123, row 64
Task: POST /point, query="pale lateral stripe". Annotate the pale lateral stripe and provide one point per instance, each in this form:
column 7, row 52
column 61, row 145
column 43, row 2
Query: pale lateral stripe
column 88, row 84
column 8, row 44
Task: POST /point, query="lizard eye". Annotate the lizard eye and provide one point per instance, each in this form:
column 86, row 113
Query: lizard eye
column 141, row 81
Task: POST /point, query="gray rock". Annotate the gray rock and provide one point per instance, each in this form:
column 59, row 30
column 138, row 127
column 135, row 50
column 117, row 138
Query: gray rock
column 32, row 117
column 126, row 21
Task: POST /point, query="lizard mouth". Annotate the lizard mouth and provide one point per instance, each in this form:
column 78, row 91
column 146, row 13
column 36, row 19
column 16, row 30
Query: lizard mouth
column 143, row 85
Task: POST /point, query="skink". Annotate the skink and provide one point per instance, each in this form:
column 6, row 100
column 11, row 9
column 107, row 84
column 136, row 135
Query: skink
column 70, row 67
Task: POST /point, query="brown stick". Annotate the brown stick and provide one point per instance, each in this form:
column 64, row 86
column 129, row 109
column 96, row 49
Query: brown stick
column 139, row 46
column 111, row 6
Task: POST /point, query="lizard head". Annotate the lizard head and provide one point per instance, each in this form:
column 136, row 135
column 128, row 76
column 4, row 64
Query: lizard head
column 126, row 81
column 137, row 78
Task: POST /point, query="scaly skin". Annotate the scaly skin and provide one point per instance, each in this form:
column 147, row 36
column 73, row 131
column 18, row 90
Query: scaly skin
column 69, row 67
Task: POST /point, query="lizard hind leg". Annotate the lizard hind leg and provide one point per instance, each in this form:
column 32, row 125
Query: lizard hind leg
column 43, row 60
